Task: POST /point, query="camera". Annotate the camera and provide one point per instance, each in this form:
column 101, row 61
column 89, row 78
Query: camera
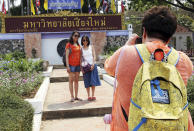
column 138, row 40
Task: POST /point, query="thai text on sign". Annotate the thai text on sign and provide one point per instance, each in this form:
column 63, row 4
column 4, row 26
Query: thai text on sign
column 64, row 4
column 61, row 24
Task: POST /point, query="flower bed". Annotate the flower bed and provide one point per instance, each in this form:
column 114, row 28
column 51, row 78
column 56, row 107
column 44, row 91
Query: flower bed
column 23, row 84
column 20, row 78
column 19, row 75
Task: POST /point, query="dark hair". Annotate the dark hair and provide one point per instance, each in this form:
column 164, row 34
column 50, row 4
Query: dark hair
column 87, row 38
column 159, row 22
column 71, row 38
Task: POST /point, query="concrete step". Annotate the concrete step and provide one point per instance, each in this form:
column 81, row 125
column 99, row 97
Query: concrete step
column 61, row 75
column 75, row 124
column 76, row 113
column 58, row 105
column 66, row 79
column 99, row 63
column 59, row 67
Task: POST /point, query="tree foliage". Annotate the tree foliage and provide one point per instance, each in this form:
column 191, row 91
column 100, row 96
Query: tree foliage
column 189, row 43
column 186, row 20
column 136, row 23
column 188, row 5
column 142, row 5
column 137, row 9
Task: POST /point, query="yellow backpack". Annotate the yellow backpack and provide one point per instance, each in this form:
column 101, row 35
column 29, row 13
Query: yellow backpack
column 159, row 96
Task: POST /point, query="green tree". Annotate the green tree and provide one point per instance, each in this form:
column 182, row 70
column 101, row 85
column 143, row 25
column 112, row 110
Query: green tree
column 136, row 23
column 189, row 43
column 192, row 26
column 186, row 21
column 188, row 5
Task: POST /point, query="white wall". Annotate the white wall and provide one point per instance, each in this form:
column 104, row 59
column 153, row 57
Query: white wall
column 181, row 39
column 49, row 51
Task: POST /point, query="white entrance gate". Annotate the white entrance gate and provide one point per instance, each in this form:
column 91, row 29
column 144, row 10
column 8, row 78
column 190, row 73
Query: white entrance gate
column 49, row 51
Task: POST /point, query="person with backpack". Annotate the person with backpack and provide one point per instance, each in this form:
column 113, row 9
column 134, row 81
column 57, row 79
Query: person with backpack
column 89, row 68
column 150, row 89
column 73, row 59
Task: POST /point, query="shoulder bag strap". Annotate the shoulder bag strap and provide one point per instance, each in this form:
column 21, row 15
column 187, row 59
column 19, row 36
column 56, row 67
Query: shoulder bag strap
column 82, row 55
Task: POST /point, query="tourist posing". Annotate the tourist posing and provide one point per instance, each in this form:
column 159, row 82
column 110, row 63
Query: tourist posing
column 73, row 58
column 89, row 68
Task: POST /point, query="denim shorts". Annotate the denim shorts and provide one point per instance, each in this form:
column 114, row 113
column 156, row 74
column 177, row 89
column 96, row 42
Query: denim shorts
column 74, row 68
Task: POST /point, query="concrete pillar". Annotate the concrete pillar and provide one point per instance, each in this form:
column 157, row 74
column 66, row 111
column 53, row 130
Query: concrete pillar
column 98, row 39
column 32, row 40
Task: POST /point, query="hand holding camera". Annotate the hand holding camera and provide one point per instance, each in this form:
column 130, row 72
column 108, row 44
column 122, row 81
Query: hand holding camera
column 134, row 39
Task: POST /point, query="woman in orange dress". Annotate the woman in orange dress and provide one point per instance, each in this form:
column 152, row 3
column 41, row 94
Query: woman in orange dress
column 73, row 58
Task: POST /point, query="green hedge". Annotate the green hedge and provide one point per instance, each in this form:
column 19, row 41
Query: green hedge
column 190, row 92
column 15, row 113
column 191, row 109
column 17, row 61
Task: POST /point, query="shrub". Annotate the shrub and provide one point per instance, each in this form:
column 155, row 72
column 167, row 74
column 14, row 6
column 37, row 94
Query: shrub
column 20, row 83
column 19, row 75
column 15, row 113
column 15, row 55
column 38, row 65
column 18, row 55
column 8, row 57
column 17, row 61
column 21, row 65
column 109, row 51
column 190, row 92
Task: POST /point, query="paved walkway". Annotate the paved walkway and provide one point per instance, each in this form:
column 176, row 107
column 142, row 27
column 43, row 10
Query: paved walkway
column 59, row 114
column 58, row 97
column 60, row 73
column 77, row 124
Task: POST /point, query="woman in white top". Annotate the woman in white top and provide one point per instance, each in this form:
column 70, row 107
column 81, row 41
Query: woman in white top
column 91, row 78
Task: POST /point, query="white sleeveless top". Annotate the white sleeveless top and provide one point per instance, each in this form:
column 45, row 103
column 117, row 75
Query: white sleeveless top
column 87, row 54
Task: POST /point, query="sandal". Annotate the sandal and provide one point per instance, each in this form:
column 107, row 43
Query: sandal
column 72, row 100
column 78, row 99
column 89, row 98
column 93, row 98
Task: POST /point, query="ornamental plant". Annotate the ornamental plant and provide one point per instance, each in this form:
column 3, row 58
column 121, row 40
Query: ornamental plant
column 20, row 83
column 20, row 75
